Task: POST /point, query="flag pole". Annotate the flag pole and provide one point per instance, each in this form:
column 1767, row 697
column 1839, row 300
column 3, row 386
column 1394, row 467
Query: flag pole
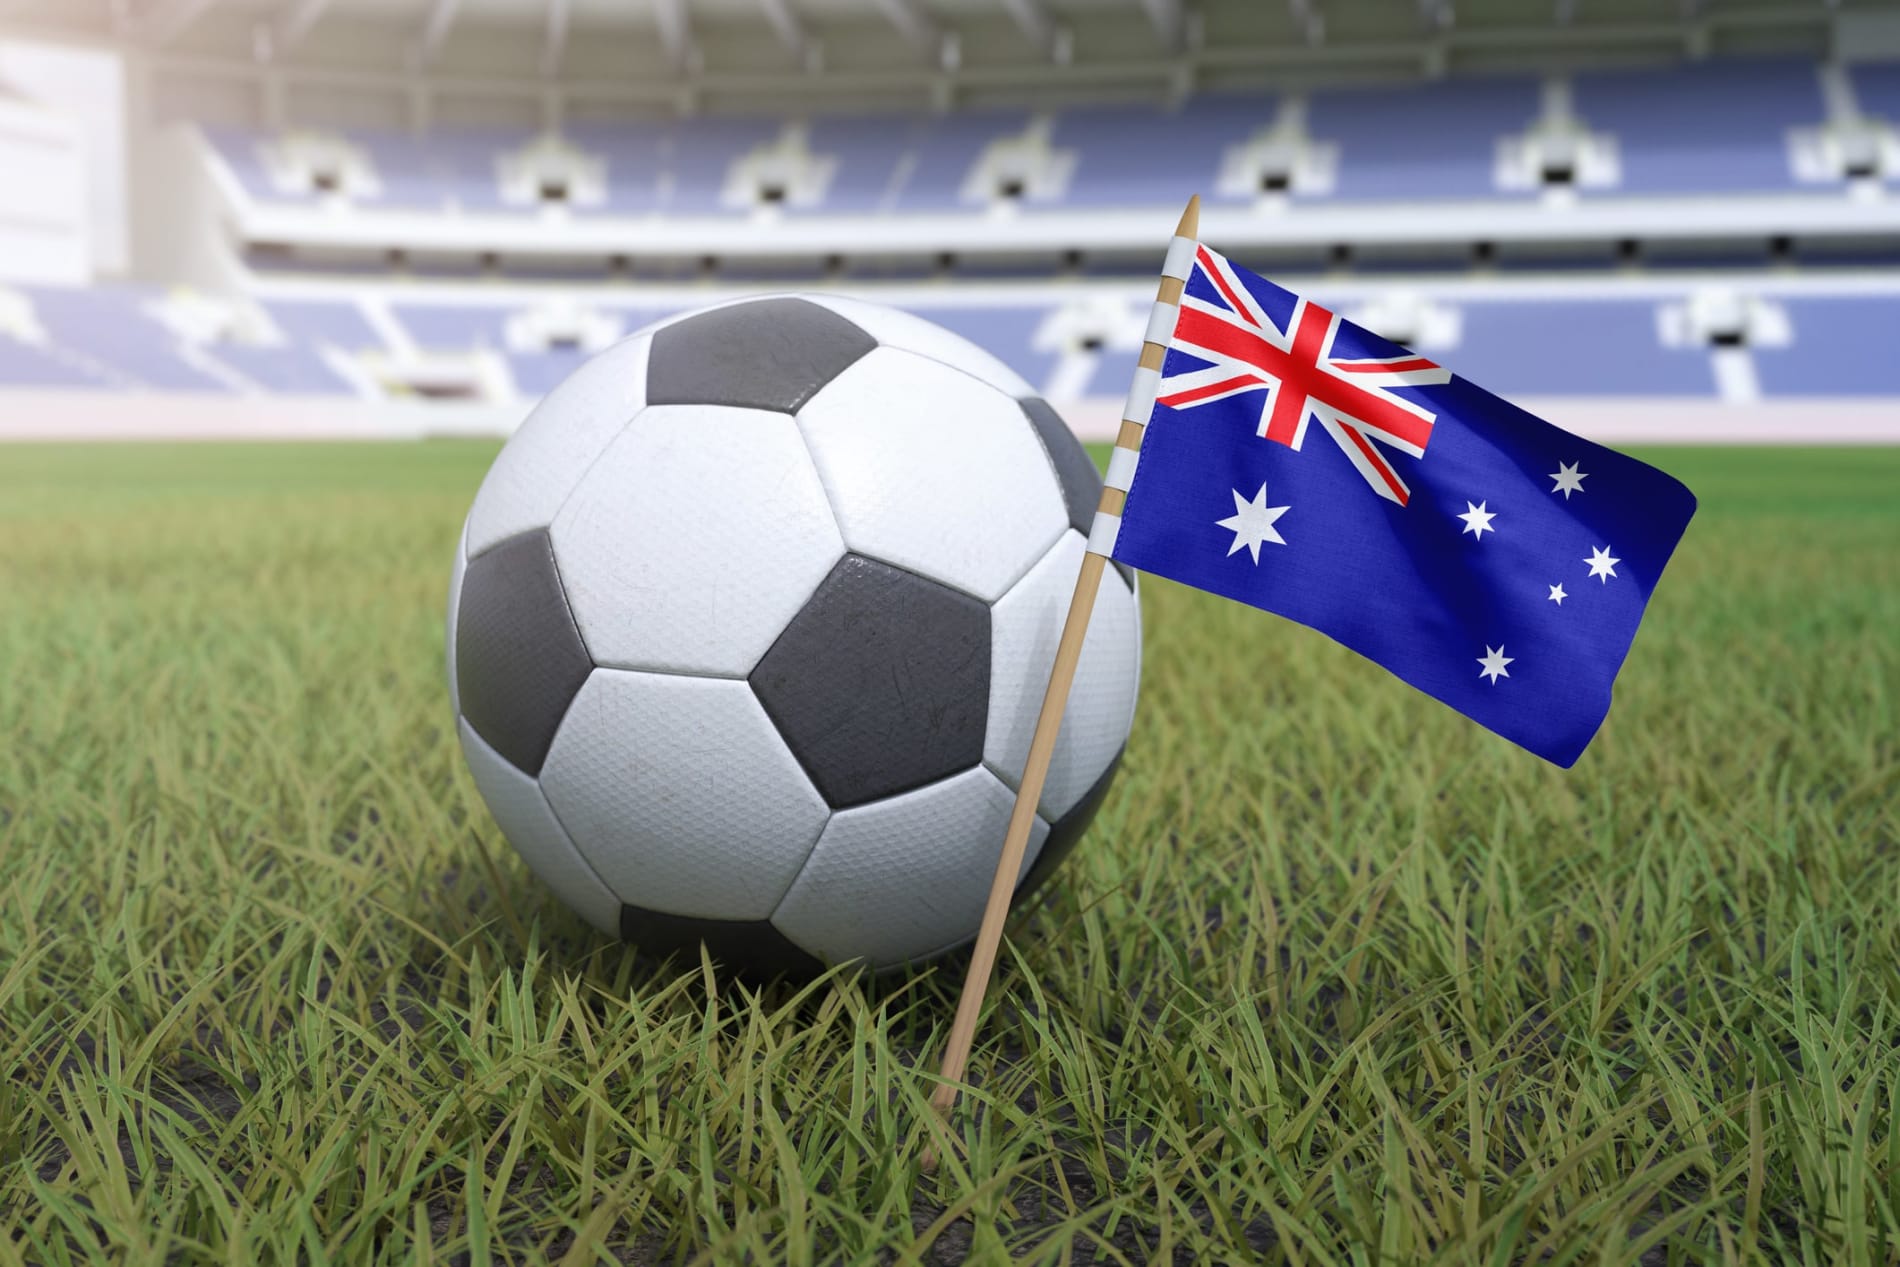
column 1055, row 700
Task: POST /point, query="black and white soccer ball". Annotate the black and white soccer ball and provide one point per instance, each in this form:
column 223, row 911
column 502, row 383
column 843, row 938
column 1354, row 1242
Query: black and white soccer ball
column 749, row 629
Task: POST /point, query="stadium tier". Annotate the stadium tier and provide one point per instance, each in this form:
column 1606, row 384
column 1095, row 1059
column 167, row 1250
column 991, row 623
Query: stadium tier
column 1723, row 127
column 1786, row 340
column 1718, row 229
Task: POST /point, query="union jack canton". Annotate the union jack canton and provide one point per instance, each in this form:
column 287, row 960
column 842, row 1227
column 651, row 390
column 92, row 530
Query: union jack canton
column 1297, row 375
column 1487, row 557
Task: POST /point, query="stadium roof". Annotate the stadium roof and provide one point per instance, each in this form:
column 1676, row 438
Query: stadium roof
column 905, row 44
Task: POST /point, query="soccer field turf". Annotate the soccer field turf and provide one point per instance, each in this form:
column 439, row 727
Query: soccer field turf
column 1337, row 976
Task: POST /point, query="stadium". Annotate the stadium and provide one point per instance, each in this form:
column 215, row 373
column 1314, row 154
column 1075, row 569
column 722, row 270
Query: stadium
column 1333, row 976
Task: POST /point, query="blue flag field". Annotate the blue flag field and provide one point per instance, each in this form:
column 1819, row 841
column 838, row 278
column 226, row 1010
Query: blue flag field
column 1301, row 464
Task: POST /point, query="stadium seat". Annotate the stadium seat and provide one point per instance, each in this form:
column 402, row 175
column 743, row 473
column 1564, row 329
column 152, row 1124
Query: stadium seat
column 1713, row 127
column 1140, row 156
column 1842, row 346
column 945, row 152
column 1597, row 347
column 635, row 156
column 702, row 153
column 25, row 364
column 1424, row 141
column 868, row 154
column 108, row 325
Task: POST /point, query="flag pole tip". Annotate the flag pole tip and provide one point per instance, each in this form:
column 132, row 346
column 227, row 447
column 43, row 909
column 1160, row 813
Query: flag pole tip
column 1190, row 226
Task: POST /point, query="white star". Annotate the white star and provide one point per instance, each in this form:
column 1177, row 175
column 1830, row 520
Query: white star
column 1602, row 564
column 1569, row 479
column 1476, row 520
column 1252, row 523
column 1494, row 662
column 1557, row 595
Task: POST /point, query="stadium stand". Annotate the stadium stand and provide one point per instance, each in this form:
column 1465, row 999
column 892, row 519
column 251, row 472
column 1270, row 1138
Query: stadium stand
column 1557, row 216
column 1841, row 346
column 635, row 157
column 1132, row 155
column 1719, row 127
column 113, row 327
column 1426, row 141
column 871, row 154
column 294, row 370
column 1532, row 348
column 25, row 364
column 943, row 152
column 702, row 153
column 1877, row 88
column 1590, row 345
column 316, row 323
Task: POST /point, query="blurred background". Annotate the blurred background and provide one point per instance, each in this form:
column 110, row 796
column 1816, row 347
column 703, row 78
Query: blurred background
column 1648, row 219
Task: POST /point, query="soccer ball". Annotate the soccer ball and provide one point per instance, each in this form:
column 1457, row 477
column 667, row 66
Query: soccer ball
column 749, row 628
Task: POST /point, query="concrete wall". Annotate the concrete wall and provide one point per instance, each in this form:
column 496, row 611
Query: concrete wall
column 43, row 222
column 84, row 87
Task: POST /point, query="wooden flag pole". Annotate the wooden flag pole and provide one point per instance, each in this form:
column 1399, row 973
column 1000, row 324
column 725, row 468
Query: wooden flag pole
column 1048, row 724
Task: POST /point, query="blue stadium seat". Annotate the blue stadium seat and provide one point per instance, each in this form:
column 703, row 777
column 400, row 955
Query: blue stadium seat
column 944, row 154
column 465, row 162
column 99, row 338
column 25, row 365
column 409, row 170
column 296, row 370
column 328, row 321
column 1713, row 127
column 238, row 147
column 107, row 325
column 635, row 154
column 1594, row 347
column 703, row 152
column 1842, row 346
column 1877, row 85
column 537, row 373
column 453, row 326
column 869, row 153
column 1139, row 156
column 1432, row 140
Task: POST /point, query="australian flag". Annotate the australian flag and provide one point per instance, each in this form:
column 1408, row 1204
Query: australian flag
column 1301, row 464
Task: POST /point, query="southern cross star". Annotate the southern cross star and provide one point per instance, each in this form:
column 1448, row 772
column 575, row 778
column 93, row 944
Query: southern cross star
column 1494, row 662
column 1477, row 520
column 1252, row 523
column 1557, row 594
column 1569, row 479
column 1602, row 563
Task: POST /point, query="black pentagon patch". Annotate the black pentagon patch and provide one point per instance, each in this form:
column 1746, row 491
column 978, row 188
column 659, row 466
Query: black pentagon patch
column 1081, row 482
column 751, row 948
column 881, row 683
column 519, row 658
column 769, row 354
column 1065, row 832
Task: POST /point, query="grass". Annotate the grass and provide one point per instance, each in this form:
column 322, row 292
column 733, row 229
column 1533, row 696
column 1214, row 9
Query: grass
column 1337, row 977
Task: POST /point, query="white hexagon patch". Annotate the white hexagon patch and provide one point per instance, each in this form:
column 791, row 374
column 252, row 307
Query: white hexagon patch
column 680, row 793
column 902, row 878
column 895, row 328
column 931, row 470
column 522, row 812
column 694, row 540
column 539, row 466
column 1024, row 629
